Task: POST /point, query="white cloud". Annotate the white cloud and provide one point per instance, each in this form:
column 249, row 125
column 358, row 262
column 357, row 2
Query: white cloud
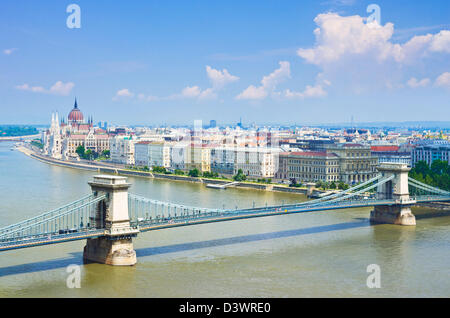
column 339, row 37
column 124, row 93
column 361, row 57
column 191, row 91
column 310, row 91
column 441, row 42
column 220, row 78
column 9, row 51
column 268, row 83
column 443, row 80
column 59, row 88
column 414, row 83
column 208, row 93
column 253, row 92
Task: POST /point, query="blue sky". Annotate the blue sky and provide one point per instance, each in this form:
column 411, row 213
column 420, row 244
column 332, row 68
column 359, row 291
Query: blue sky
column 171, row 62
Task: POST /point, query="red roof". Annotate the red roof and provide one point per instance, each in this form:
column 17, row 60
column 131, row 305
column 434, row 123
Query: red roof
column 384, row 148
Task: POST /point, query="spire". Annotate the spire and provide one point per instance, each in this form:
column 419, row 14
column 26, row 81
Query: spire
column 76, row 105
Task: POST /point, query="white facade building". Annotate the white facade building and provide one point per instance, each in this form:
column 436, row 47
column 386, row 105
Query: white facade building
column 122, row 149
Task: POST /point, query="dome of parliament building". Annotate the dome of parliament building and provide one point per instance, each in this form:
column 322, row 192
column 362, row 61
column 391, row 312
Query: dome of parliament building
column 75, row 114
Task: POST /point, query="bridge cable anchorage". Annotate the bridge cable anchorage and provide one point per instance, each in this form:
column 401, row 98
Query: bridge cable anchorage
column 53, row 224
column 423, row 186
column 69, row 205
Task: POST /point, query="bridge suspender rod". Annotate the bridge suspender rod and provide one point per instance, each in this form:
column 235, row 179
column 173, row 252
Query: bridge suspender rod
column 417, row 183
column 356, row 193
column 337, row 195
column 87, row 197
column 163, row 205
column 427, row 189
column 66, row 214
column 342, row 193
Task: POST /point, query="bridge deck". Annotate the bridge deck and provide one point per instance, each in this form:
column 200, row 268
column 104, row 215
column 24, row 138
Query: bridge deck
column 202, row 218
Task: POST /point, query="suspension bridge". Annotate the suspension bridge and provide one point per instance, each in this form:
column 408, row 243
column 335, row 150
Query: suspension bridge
column 110, row 217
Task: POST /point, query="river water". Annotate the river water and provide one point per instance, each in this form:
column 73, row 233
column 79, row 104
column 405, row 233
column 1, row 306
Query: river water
column 320, row 254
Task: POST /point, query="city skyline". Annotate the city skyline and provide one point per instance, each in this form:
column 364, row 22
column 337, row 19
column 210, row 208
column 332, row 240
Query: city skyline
column 139, row 63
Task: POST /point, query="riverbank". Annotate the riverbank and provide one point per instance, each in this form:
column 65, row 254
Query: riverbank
column 103, row 168
column 19, row 138
column 444, row 206
column 109, row 169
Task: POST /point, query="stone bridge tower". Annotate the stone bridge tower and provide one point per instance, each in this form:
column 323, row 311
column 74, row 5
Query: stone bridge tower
column 116, row 246
column 399, row 212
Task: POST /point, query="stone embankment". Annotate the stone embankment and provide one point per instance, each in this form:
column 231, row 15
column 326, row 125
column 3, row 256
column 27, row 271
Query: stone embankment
column 105, row 168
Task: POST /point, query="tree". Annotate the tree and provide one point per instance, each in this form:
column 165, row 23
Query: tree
column 88, row 154
column 436, row 175
column 179, row 172
column 195, row 173
column 333, row 185
column 158, row 169
column 80, row 151
column 106, row 153
column 240, row 176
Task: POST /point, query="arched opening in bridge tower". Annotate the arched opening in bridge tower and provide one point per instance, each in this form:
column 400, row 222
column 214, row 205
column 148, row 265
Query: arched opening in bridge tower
column 388, row 190
column 98, row 218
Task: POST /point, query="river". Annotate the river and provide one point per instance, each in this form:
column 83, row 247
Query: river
column 320, row 254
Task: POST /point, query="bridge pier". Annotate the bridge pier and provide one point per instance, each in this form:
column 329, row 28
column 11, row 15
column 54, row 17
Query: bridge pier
column 116, row 246
column 395, row 189
column 393, row 214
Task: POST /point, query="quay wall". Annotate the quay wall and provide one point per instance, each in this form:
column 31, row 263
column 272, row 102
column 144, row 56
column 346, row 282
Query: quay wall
column 100, row 168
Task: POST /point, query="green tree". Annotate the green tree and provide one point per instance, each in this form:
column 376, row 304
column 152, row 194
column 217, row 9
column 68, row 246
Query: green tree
column 179, row 172
column 158, row 169
column 195, row 173
column 106, row 153
column 240, row 176
column 88, row 154
column 80, row 151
